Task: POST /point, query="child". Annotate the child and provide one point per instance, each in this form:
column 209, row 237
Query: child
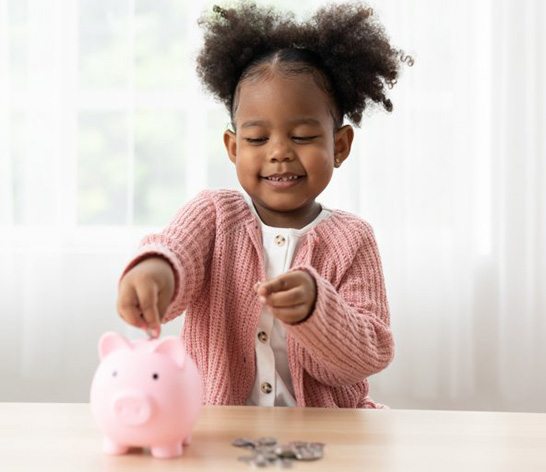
column 285, row 301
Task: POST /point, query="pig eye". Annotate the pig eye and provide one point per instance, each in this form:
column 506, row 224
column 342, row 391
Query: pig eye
column 155, row 376
column 115, row 373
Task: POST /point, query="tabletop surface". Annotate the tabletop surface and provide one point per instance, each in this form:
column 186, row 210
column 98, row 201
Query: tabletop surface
column 64, row 437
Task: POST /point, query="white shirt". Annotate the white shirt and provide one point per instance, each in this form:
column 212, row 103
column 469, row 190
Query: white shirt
column 273, row 383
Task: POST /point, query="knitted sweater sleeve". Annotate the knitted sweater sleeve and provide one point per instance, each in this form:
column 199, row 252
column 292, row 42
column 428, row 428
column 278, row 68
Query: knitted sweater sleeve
column 347, row 337
column 186, row 244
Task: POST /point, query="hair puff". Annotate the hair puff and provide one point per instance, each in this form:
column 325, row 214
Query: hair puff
column 353, row 49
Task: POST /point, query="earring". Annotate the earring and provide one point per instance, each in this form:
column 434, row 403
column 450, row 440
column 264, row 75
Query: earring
column 337, row 162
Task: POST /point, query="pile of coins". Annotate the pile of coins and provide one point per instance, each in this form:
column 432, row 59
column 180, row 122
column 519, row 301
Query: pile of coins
column 266, row 451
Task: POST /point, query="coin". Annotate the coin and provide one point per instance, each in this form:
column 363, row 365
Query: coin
column 243, row 442
column 266, row 451
column 266, row 441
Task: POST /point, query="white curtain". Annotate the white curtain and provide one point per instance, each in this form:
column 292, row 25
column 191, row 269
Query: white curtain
column 105, row 131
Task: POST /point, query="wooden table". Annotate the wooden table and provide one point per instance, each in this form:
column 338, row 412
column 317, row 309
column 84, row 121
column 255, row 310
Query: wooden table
column 63, row 437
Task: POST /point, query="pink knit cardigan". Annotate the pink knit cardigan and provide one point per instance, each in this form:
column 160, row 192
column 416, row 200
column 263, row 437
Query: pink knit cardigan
column 215, row 246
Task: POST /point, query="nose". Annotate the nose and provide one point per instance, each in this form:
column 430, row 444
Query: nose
column 132, row 408
column 281, row 150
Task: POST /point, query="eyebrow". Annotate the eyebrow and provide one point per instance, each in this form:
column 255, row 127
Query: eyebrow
column 296, row 121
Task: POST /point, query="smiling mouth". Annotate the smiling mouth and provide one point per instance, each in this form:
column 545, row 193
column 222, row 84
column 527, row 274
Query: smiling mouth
column 283, row 178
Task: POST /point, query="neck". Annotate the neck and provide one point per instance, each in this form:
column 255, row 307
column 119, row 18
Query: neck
column 297, row 219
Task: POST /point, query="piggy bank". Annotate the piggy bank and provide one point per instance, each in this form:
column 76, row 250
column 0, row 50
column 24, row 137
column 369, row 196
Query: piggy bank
column 145, row 393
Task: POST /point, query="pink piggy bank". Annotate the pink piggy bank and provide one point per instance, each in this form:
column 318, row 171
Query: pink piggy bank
column 145, row 393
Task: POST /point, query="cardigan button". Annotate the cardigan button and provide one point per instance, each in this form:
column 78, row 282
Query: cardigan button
column 280, row 240
column 262, row 336
column 266, row 387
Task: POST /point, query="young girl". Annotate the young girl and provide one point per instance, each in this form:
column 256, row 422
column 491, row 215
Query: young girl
column 285, row 301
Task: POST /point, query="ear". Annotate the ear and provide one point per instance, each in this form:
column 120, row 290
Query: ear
column 172, row 347
column 111, row 342
column 343, row 139
column 230, row 141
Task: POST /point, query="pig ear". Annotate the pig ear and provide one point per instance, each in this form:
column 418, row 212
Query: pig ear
column 110, row 342
column 173, row 348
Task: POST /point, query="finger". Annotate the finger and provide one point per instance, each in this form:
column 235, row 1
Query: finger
column 128, row 308
column 164, row 300
column 280, row 283
column 287, row 298
column 291, row 314
column 147, row 300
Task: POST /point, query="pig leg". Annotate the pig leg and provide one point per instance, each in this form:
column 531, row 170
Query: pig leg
column 187, row 440
column 167, row 452
column 113, row 448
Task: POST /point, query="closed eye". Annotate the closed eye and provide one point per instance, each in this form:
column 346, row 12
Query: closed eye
column 263, row 140
column 255, row 140
column 304, row 138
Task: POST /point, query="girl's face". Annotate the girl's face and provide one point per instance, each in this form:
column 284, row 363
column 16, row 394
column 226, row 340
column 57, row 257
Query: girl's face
column 285, row 145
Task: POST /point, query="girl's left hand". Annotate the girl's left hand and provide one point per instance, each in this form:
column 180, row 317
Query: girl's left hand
column 290, row 296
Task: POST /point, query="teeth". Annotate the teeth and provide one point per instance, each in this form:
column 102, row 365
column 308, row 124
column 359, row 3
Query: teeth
column 283, row 179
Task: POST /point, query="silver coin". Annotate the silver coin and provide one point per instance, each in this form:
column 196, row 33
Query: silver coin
column 308, row 451
column 266, row 441
column 260, row 460
column 285, row 451
column 266, row 451
column 269, row 454
column 243, row 442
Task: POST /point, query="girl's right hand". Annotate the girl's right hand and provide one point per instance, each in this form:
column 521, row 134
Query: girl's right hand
column 145, row 293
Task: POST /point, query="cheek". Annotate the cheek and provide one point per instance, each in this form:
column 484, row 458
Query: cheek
column 242, row 174
column 326, row 173
column 321, row 161
column 322, row 170
column 247, row 165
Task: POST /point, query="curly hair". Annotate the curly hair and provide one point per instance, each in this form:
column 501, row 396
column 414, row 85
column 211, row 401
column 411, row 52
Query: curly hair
column 343, row 46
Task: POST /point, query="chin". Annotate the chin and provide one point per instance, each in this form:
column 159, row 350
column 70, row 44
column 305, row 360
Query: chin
column 285, row 206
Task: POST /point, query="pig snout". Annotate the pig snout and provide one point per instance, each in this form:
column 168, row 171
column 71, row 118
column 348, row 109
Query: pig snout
column 132, row 408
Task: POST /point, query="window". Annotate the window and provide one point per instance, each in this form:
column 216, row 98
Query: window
column 121, row 130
